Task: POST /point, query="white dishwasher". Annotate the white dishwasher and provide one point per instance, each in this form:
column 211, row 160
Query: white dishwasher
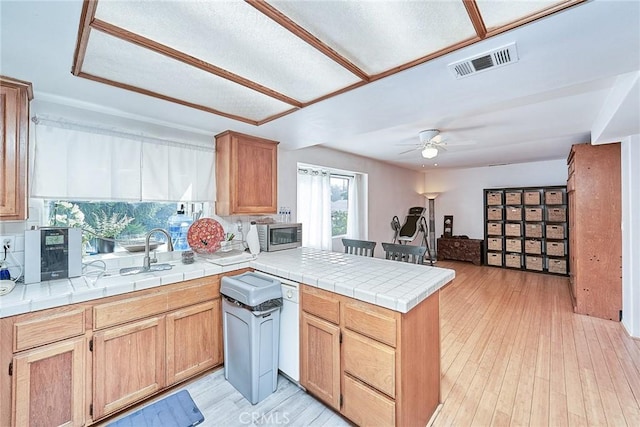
column 289, row 351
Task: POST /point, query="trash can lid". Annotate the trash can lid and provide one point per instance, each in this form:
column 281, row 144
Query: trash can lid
column 250, row 288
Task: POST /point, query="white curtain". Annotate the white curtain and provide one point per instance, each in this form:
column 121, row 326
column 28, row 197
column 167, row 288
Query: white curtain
column 79, row 162
column 314, row 207
column 357, row 226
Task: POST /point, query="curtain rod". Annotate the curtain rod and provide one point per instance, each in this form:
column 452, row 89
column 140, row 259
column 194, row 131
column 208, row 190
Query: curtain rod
column 66, row 124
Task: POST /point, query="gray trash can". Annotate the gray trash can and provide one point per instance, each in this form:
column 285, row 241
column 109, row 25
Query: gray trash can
column 251, row 330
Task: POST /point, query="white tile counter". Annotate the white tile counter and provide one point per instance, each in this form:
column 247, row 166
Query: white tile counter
column 391, row 284
column 395, row 285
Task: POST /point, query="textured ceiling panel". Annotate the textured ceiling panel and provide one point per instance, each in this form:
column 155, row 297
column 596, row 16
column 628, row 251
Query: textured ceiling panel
column 114, row 59
column 236, row 37
column 499, row 13
column 380, row 35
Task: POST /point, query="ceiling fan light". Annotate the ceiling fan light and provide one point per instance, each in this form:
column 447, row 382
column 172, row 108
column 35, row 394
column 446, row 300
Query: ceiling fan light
column 429, row 152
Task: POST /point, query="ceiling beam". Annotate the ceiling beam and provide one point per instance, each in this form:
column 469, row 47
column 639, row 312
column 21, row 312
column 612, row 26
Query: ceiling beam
column 476, row 18
column 306, row 36
column 154, row 46
column 87, row 15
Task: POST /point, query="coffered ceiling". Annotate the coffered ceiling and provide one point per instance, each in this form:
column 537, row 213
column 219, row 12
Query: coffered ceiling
column 255, row 61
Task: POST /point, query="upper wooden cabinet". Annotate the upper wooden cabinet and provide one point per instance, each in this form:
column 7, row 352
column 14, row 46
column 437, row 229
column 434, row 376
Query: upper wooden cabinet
column 246, row 174
column 595, row 237
column 14, row 113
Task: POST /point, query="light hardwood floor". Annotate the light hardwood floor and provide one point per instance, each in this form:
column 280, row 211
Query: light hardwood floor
column 513, row 353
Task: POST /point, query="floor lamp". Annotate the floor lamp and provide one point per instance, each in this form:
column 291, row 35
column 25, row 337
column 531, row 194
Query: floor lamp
column 432, row 222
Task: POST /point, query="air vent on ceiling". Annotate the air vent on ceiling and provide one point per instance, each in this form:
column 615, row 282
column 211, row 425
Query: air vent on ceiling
column 499, row 57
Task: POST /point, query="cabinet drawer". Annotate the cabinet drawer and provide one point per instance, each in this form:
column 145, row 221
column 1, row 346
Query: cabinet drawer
column 555, row 231
column 533, row 247
column 557, row 265
column 494, row 243
column 126, row 310
column 494, row 214
column 321, row 304
column 373, row 322
column 494, row 198
column 494, row 258
column 514, row 213
column 48, row 328
column 366, row 407
column 198, row 291
column 513, row 229
column 533, row 230
column 513, row 260
column 513, row 198
column 531, row 197
column 554, row 197
column 513, row 245
column 370, row 362
column 555, row 249
column 494, row 228
column 533, row 263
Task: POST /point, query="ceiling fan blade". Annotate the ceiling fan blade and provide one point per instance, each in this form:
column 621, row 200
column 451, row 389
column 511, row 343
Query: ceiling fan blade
column 409, row 151
column 459, row 144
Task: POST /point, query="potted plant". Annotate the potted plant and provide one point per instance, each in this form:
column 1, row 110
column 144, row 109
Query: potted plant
column 107, row 228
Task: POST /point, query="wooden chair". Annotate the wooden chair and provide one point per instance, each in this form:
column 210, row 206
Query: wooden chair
column 405, row 253
column 359, row 247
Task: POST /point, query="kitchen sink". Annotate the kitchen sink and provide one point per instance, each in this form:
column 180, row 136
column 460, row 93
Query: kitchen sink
column 136, row 270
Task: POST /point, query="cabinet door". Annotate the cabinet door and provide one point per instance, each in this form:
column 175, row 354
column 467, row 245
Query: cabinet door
column 365, row 406
column 14, row 116
column 128, row 364
column 49, row 385
column 193, row 340
column 320, row 359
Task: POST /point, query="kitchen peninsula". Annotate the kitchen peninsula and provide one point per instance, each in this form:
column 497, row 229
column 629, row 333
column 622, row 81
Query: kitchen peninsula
column 369, row 328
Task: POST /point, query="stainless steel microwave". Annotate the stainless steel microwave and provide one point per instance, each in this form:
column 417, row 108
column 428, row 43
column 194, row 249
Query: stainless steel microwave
column 276, row 237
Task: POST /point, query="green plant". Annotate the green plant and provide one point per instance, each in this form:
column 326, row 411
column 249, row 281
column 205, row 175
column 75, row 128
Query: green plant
column 109, row 226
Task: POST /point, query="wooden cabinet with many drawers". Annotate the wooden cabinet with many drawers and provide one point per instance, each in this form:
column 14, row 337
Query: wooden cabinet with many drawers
column 595, row 237
column 526, row 228
column 373, row 365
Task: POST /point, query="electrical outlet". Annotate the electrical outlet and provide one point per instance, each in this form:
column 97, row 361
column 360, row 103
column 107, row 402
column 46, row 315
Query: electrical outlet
column 10, row 240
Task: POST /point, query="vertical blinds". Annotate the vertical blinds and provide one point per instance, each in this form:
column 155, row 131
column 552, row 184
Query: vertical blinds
column 82, row 163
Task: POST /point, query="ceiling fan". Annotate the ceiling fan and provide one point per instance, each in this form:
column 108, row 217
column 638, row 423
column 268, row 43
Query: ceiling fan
column 430, row 142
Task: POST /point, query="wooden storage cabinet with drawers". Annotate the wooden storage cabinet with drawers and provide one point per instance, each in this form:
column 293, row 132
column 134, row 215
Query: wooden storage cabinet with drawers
column 373, row 365
column 86, row 361
column 526, row 228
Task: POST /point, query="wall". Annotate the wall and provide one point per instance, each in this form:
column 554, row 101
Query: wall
column 631, row 234
column 392, row 190
column 461, row 190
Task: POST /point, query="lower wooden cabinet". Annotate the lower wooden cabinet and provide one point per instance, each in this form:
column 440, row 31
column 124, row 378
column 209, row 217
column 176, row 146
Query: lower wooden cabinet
column 128, row 364
column 49, row 385
column 377, row 367
column 194, row 340
column 320, row 359
column 77, row 364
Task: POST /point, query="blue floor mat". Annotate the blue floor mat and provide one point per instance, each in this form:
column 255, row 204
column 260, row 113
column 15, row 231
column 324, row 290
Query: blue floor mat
column 177, row 410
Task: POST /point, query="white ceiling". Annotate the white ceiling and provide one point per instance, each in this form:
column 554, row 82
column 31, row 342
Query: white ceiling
column 576, row 80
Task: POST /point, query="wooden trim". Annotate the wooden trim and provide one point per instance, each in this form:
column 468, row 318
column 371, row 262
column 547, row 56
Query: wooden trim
column 167, row 51
column 533, row 17
column 306, row 36
column 165, row 98
column 84, row 28
column 476, row 18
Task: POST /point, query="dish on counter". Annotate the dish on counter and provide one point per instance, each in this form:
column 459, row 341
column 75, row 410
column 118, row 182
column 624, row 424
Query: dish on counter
column 205, row 236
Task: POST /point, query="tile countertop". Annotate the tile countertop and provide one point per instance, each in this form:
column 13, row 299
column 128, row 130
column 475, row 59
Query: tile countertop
column 390, row 284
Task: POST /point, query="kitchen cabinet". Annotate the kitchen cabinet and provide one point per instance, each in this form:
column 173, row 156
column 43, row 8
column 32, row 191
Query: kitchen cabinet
column 374, row 365
column 595, row 237
column 128, row 364
column 14, row 113
column 246, row 174
column 89, row 360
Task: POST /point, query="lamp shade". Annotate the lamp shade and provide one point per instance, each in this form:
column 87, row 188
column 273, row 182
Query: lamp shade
column 429, row 152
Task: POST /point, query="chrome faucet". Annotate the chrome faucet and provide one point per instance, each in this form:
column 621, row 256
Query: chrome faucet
column 146, row 263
